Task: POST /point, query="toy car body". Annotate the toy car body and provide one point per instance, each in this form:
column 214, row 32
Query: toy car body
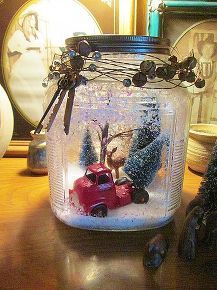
column 97, row 191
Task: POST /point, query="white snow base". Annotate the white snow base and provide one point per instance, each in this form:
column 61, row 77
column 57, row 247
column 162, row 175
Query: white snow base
column 129, row 217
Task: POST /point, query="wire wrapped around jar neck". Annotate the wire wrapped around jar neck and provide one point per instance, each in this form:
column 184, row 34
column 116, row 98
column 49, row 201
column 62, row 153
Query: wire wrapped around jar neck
column 71, row 67
column 121, row 67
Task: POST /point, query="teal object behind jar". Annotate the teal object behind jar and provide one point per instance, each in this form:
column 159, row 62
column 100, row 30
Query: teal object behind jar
column 37, row 157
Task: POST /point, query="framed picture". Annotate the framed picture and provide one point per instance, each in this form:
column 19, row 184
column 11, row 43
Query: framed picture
column 31, row 33
column 191, row 26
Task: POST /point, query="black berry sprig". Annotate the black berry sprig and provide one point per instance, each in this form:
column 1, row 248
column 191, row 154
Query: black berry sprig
column 133, row 75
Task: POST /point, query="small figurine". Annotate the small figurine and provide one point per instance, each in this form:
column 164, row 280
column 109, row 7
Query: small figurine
column 97, row 191
column 188, row 239
column 115, row 162
column 155, row 251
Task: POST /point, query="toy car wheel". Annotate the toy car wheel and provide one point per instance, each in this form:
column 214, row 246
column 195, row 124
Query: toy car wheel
column 140, row 196
column 99, row 211
column 122, row 180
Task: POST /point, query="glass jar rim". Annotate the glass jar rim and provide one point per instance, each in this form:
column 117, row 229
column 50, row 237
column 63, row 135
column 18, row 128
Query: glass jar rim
column 121, row 43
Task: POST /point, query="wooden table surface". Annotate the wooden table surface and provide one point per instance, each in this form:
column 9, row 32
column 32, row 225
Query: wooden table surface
column 37, row 251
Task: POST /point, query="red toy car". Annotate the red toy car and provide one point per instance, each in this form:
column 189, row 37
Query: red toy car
column 97, row 191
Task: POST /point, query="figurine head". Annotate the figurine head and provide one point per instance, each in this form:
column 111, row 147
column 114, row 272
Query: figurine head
column 110, row 152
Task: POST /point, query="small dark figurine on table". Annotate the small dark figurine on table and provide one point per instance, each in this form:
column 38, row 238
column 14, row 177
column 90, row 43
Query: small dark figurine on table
column 188, row 237
column 202, row 210
column 155, row 251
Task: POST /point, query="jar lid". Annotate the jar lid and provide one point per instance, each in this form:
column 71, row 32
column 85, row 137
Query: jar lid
column 122, row 43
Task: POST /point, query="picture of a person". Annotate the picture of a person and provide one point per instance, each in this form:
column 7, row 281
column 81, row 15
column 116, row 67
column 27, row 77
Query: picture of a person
column 35, row 34
column 27, row 70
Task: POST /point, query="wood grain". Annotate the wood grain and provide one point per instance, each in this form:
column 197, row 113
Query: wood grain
column 17, row 148
column 39, row 252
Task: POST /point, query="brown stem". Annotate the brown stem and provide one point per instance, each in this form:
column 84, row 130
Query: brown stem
column 104, row 142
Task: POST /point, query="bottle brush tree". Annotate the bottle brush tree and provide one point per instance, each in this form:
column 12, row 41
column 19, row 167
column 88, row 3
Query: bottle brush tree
column 142, row 166
column 208, row 187
column 88, row 153
column 206, row 203
column 148, row 130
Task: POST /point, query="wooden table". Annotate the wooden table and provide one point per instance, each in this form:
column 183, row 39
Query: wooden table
column 39, row 252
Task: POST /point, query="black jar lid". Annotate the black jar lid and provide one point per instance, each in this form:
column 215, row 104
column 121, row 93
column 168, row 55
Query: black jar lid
column 122, row 43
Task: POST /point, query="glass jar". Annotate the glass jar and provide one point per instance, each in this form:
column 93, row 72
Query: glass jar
column 121, row 165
